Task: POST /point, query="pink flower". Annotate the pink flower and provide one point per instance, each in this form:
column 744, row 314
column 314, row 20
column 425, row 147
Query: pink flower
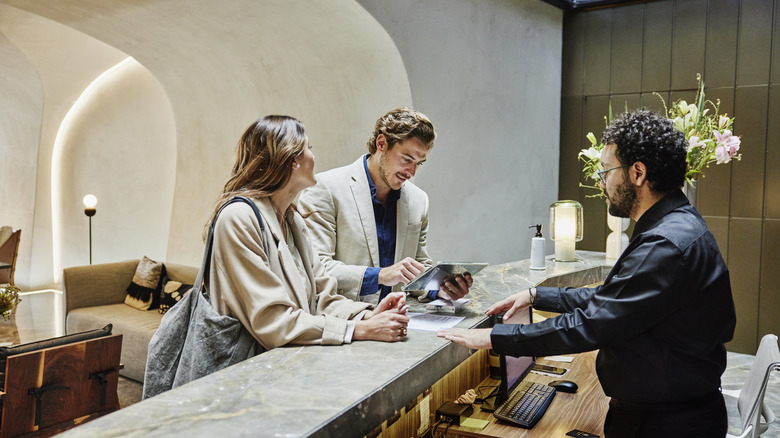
column 722, row 154
column 728, row 142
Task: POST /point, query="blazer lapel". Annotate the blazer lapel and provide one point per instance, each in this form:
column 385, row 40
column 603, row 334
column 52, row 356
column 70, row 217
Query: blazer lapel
column 362, row 196
column 401, row 224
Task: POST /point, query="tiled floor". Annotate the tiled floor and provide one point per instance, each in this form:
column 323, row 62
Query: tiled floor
column 39, row 316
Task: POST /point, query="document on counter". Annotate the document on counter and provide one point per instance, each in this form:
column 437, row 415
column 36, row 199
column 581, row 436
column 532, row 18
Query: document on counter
column 431, row 322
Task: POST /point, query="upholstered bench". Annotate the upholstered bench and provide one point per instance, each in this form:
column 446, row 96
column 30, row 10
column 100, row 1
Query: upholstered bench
column 95, row 296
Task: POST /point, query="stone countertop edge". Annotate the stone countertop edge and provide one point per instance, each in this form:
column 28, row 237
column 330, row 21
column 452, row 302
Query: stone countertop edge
column 330, row 391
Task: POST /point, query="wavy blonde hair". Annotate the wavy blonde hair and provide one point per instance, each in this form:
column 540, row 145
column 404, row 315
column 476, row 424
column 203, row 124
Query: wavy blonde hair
column 264, row 160
column 400, row 124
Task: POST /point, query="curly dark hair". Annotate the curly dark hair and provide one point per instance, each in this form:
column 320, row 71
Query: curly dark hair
column 645, row 136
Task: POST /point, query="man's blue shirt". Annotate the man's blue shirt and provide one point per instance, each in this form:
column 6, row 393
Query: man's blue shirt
column 385, row 220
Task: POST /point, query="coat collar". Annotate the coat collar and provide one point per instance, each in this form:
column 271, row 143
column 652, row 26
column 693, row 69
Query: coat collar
column 286, row 259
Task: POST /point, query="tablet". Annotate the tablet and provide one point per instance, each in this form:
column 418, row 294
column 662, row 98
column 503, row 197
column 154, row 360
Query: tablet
column 438, row 274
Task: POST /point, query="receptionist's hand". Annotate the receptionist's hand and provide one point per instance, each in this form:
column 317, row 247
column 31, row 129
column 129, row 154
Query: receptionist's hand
column 511, row 304
column 456, row 289
column 472, row 338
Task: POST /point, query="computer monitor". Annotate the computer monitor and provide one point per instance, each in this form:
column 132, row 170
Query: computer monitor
column 513, row 369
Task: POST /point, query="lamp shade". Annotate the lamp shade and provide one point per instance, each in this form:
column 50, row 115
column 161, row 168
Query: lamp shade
column 566, row 227
column 90, row 201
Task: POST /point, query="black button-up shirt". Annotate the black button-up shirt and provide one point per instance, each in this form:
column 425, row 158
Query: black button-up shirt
column 660, row 319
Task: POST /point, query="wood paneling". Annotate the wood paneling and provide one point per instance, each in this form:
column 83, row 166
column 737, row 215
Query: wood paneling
column 735, row 45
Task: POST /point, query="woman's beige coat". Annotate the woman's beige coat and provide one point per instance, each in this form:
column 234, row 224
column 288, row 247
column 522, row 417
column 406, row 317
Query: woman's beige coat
column 266, row 291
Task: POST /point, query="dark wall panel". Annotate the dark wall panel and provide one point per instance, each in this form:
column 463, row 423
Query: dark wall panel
column 572, row 55
column 690, row 30
column 657, row 46
column 772, row 192
column 747, row 184
column 572, row 141
column 721, row 63
column 626, row 71
column 744, row 263
column 769, row 298
column 597, row 28
column 755, row 42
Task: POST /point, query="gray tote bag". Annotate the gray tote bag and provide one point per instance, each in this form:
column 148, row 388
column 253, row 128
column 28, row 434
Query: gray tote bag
column 193, row 339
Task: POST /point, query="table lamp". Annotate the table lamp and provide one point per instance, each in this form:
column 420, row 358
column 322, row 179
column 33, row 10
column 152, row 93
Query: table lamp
column 565, row 228
column 90, row 201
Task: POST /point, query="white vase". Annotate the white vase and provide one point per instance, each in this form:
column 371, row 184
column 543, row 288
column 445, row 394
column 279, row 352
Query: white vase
column 617, row 241
column 690, row 192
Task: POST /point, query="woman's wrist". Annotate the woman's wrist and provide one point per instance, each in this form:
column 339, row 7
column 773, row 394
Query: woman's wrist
column 532, row 295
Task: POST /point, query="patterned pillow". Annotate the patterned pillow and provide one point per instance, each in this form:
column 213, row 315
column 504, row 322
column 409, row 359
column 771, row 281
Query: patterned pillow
column 144, row 291
column 172, row 291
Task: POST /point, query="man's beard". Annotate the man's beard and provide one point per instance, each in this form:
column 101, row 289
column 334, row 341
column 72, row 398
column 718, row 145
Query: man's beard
column 623, row 201
column 383, row 172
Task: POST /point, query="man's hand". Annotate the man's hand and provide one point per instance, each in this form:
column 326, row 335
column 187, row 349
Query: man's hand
column 475, row 338
column 402, row 272
column 456, row 289
column 511, row 304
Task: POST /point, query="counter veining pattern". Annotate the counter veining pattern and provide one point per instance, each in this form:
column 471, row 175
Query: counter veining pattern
column 328, row 391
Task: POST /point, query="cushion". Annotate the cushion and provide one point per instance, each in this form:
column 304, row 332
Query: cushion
column 172, row 291
column 144, row 291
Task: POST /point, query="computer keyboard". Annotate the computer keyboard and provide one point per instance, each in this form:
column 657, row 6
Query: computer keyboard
column 526, row 405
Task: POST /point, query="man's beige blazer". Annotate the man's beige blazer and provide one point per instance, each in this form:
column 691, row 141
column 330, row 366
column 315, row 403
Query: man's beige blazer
column 344, row 232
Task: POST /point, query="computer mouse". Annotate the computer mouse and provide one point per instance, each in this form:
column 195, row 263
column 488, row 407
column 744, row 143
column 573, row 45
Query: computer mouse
column 564, row 385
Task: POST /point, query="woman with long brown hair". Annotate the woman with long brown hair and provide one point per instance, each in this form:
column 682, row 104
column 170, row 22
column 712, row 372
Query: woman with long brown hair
column 283, row 295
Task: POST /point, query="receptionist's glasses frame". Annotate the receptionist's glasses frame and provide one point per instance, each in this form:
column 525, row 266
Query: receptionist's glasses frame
column 601, row 173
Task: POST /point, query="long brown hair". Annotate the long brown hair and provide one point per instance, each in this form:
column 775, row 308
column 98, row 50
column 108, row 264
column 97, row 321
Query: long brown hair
column 264, row 160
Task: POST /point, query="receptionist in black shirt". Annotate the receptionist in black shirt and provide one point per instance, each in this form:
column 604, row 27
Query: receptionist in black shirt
column 664, row 312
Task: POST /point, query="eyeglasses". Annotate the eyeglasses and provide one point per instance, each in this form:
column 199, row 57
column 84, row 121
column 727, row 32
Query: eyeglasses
column 601, row 173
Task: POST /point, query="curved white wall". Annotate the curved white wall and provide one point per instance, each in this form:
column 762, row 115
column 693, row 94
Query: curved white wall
column 221, row 65
column 118, row 142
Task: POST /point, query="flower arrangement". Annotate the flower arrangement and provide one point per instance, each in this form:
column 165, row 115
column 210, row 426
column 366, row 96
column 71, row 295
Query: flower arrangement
column 9, row 298
column 709, row 135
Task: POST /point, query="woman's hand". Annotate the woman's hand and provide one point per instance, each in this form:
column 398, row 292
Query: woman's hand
column 511, row 304
column 388, row 326
column 393, row 301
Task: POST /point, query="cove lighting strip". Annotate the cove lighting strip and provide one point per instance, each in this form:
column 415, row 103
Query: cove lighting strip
column 59, row 141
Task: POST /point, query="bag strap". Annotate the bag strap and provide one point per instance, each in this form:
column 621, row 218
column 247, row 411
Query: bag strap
column 206, row 263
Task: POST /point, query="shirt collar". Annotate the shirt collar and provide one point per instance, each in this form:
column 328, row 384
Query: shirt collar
column 392, row 196
column 671, row 201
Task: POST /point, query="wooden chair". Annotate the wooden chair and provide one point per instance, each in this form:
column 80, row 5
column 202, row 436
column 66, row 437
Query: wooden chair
column 9, row 249
column 54, row 385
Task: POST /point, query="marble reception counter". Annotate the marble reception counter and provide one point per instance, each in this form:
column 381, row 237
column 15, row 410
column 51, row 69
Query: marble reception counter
column 330, row 391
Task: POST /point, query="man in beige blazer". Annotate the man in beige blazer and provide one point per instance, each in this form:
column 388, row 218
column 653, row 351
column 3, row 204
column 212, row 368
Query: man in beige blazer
column 368, row 222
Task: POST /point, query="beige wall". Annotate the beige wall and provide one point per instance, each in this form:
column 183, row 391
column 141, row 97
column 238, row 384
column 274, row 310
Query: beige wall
column 157, row 140
column 218, row 66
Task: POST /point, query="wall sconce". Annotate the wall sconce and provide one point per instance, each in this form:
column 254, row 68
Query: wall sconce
column 565, row 228
column 90, row 201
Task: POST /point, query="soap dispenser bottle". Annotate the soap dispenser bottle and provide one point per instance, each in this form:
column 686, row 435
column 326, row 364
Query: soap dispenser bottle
column 537, row 249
